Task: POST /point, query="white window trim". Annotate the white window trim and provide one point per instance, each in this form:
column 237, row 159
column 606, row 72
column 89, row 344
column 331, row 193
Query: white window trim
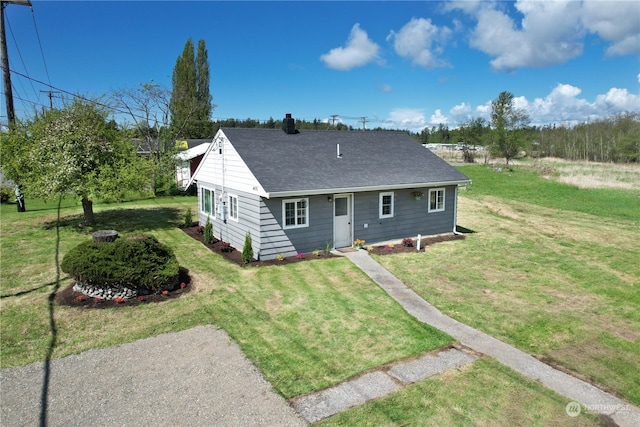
column 386, row 193
column 444, row 195
column 284, row 213
column 229, row 197
column 211, row 201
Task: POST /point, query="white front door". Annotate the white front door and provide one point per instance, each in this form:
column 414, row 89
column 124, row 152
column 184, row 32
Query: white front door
column 342, row 229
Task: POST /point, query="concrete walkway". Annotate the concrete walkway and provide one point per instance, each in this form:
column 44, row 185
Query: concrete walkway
column 590, row 397
column 377, row 383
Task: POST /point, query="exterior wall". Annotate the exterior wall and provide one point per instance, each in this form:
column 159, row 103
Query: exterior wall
column 411, row 217
column 232, row 231
column 263, row 219
column 277, row 240
column 185, row 169
column 227, row 169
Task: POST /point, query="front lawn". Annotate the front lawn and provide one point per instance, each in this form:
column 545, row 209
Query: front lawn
column 306, row 325
column 551, row 269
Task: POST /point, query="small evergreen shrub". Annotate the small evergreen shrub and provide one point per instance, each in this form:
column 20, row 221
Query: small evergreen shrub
column 207, row 233
column 138, row 262
column 188, row 218
column 247, row 249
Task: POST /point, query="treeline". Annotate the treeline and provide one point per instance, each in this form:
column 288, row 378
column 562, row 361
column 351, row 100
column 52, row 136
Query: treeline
column 277, row 124
column 614, row 139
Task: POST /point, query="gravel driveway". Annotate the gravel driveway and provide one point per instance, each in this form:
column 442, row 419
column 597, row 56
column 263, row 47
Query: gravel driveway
column 194, row 377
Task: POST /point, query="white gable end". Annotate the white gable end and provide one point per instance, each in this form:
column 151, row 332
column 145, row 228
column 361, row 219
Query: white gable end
column 223, row 166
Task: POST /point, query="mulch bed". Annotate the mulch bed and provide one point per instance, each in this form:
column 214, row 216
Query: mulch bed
column 71, row 298
column 424, row 242
column 235, row 255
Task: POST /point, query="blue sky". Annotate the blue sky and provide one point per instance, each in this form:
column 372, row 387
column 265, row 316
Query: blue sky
column 400, row 64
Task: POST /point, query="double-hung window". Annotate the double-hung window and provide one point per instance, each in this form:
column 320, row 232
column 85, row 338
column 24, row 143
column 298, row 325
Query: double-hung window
column 295, row 213
column 233, row 207
column 386, row 205
column 436, row 200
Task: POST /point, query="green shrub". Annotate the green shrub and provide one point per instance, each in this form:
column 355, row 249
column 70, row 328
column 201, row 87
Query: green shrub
column 188, row 218
column 207, row 234
column 6, row 193
column 247, row 249
column 138, row 261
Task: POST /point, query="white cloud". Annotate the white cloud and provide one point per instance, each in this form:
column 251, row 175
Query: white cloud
column 617, row 101
column 461, row 113
column 358, row 51
column 563, row 105
column 438, row 118
column 387, row 88
column 617, row 22
column 549, row 33
column 421, row 41
column 406, row 118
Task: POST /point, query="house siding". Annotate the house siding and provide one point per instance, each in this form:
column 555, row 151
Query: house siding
column 232, row 231
column 262, row 218
column 227, row 169
column 411, row 217
column 278, row 240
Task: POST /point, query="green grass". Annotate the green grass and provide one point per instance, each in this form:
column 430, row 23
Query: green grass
column 552, row 274
column 542, row 273
column 306, row 325
column 524, row 184
column 484, row 393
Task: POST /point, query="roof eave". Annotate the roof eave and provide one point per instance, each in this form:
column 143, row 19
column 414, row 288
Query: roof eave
column 314, row 192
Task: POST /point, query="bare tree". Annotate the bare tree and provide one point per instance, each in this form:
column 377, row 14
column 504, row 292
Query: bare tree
column 148, row 107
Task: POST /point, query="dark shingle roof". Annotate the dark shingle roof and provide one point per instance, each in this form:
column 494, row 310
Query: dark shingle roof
column 307, row 161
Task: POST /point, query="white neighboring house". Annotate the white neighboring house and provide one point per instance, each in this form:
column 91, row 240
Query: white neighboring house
column 187, row 161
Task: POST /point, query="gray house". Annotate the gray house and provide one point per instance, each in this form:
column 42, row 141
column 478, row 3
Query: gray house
column 299, row 191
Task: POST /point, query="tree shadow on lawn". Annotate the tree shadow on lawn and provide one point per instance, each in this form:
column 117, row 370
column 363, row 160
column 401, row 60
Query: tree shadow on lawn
column 123, row 220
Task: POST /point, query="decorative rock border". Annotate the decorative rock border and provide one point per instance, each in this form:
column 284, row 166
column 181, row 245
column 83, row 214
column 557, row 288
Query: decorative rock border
column 105, row 292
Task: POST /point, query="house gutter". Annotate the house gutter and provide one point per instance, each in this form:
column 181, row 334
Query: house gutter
column 319, row 191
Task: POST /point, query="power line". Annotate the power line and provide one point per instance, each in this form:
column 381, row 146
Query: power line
column 44, row 62
column 15, row 42
column 55, row 89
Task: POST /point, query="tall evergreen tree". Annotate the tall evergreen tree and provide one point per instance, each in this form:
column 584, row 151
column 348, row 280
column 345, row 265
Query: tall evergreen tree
column 190, row 105
column 202, row 88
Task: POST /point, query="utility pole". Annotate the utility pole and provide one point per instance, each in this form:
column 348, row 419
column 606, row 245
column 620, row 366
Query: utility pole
column 364, row 121
column 6, row 74
column 333, row 119
column 50, row 92
column 6, row 77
